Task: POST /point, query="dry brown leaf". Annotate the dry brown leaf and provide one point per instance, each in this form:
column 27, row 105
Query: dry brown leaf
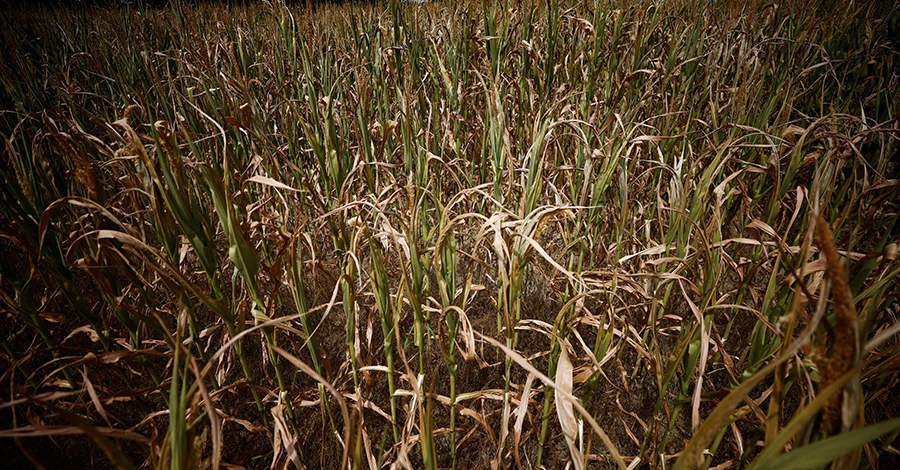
column 564, row 410
column 283, row 440
column 521, row 411
column 93, row 394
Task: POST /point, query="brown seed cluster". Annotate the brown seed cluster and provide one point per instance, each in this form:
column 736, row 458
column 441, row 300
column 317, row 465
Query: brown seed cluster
column 84, row 169
column 843, row 352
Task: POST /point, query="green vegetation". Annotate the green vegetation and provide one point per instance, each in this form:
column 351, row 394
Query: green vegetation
column 451, row 235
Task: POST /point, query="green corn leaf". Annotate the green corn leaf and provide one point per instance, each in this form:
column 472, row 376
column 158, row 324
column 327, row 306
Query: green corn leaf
column 827, row 450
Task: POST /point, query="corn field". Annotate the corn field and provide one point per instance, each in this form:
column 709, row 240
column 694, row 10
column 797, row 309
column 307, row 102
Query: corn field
column 451, row 235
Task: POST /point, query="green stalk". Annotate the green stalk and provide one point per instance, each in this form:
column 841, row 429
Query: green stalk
column 381, row 290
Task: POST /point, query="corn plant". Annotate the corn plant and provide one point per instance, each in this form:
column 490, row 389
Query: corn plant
column 528, row 234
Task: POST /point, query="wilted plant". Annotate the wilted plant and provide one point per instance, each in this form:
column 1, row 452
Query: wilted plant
column 590, row 234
